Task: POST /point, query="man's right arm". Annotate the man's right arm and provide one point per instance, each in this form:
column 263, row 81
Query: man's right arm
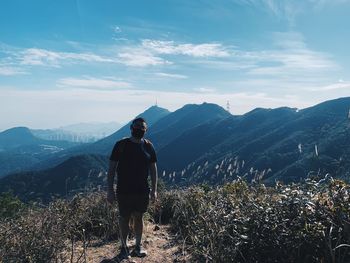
column 110, row 181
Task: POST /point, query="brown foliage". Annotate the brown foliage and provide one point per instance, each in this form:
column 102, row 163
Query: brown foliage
column 43, row 234
column 307, row 222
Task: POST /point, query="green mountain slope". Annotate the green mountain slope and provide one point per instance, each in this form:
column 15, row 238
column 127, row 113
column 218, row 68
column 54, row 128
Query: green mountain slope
column 21, row 150
column 282, row 144
column 75, row 174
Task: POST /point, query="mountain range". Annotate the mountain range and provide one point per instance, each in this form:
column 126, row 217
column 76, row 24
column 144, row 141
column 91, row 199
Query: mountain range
column 80, row 132
column 196, row 142
column 21, row 150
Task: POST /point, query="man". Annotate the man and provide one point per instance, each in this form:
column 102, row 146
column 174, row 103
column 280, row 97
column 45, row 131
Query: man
column 133, row 159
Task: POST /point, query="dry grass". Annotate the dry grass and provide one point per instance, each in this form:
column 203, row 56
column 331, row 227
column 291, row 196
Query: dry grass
column 307, row 222
column 236, row 222
column 42, row 234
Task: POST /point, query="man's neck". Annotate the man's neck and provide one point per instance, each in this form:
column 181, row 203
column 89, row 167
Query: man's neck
column 136, row 140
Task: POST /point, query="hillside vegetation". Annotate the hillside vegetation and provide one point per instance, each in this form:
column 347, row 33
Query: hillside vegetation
column 236, row 222
column 288, row 223
column 77, row 174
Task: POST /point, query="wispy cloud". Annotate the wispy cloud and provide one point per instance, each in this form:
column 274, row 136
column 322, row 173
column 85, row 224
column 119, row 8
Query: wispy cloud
column 141, row 58
column 168, row 75
column 291, row 57
column 150, row 52
column 336, row 86
column 43, row 57
column 130, row 56
column 89, row 82
column 288, row 59
column 292, row 62
column 283, row 9
column 205, row 90
column 11, row 71
column 189, row 49
column 147, row 52
column 289, row 9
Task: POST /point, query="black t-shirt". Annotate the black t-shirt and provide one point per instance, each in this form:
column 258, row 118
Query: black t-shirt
column 134, row 161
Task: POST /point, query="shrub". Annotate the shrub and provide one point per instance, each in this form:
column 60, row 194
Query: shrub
column 10, row 205
column 236, row 222
column 289, row 223
column 42, row 234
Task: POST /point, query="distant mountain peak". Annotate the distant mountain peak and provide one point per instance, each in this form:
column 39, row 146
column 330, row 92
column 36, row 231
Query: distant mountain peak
column 16, row 132
column 154, row 108
column 153, row 113
column 17, row 136
column 17, row 129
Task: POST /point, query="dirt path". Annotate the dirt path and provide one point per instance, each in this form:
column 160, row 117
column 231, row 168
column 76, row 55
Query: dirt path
column 158, row 242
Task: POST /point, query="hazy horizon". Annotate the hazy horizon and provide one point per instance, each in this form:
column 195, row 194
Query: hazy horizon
column 125, row 122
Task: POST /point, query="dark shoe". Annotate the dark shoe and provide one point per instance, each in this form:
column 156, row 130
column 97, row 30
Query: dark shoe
column 138, row 252
column 123, row 254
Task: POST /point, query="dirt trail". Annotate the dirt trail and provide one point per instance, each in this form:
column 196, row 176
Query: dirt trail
column 158, row 242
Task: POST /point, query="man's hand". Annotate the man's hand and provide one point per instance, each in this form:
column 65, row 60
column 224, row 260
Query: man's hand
column 154, row 178
column 111, row 196
column 110, row 182
column 153, row 195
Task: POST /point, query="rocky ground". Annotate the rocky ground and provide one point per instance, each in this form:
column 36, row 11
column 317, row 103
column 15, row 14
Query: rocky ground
column 158, row 241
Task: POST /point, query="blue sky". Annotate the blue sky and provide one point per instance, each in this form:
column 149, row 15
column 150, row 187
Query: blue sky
column 64, row 62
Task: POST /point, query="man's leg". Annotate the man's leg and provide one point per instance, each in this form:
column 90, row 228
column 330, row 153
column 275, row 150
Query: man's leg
column 141, row 208
column 124, row 229
column 124, row 232
column 138, row 227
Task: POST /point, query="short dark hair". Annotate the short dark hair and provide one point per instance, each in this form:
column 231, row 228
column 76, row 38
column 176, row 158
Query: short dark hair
column 139, row 119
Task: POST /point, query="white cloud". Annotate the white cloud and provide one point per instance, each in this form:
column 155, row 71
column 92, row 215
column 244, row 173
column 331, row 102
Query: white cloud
column 11, row 71
column 174, row 76
column 140, row 58
column 288, row 63
column 205, row 90
column 120, row 39
column 146, row 53
column 291, row 57
column 149, row 52
column 89, row 82
column 336, row 86
column 43, row 57
column 172, row 48
column 288, row 58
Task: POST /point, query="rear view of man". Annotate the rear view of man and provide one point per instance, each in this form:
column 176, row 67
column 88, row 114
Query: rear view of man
column 132, row 159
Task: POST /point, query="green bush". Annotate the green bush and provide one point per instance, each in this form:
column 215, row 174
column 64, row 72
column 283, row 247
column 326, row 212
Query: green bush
column 10, row 205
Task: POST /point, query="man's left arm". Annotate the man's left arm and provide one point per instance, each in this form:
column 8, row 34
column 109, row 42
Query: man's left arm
column 154, row 179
